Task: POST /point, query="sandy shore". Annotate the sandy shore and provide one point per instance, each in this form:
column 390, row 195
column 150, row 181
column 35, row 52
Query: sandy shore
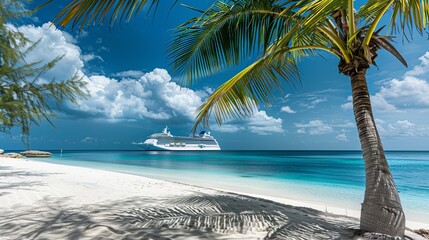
column 48, row 201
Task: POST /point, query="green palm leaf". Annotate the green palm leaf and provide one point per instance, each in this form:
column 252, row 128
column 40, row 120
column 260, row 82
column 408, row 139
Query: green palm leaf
column 226, row 35
column 404, row 15
column 239, row 96
column 384, row 42
column 410, row 14
column 81, row 12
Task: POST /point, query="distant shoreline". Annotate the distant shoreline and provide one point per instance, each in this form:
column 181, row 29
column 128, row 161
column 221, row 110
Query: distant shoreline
column 139, row 150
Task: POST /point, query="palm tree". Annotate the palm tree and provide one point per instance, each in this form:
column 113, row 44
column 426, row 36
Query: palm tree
column 277, row 34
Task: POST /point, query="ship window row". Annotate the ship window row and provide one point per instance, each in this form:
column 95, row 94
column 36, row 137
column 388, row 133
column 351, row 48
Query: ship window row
column 168, row 141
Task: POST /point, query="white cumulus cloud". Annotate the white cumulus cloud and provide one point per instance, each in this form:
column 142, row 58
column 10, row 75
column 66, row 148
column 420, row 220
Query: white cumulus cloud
column 314, row 127
column 401, row 128
column 422, row 68
column 152, row 96
column 287, row 109
column 129, row 74
column 228, row 128
column 91, row 56
column 408, row 92
column 377, row 102
column 342, row 137
column 260, row 123
column 411, row 91
column 263, row 124
column 348, row 104
column 313, row 102
column 89, row 140
column 129, row 95
column 53, row 43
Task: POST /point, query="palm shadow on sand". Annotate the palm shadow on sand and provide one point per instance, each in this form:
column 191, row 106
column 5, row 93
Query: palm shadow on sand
column 200, row 216
column 194, row 215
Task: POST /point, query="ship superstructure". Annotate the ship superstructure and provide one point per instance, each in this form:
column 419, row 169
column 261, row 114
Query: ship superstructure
column 167, row 142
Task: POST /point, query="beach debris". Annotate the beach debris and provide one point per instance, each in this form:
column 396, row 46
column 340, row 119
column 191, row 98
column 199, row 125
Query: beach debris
column 12, row 155
column 423, row 232
column 362, row 234
column 36, row 153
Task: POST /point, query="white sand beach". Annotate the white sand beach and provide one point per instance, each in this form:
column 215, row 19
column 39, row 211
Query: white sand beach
column 48, row 201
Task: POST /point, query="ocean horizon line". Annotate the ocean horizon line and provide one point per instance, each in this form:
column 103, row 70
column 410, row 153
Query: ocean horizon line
column 229, row 150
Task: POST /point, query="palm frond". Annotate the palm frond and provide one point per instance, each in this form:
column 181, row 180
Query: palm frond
column 375, row 20
column 239, row 96
column 316, row 11
column 384, row 42
column 410, row 14
column 255, row 85
column 335, row 39
column 369, row 11
column 82, row 12
column 225, row 35
column 404, row 15
column 321, row 17
column 351, row 19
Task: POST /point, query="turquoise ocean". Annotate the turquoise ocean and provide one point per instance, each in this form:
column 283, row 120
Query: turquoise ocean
column 322, row 177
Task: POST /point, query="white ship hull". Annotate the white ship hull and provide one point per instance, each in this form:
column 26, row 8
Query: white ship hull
column 156, row 147
column 166, row 142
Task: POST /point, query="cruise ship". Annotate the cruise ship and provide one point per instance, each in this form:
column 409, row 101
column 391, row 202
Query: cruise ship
column 165, row 141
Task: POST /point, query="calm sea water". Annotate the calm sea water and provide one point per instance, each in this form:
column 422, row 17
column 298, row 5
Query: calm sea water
column 316, row 176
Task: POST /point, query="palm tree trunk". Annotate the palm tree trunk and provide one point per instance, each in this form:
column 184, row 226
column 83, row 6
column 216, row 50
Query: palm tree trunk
column 381, row 209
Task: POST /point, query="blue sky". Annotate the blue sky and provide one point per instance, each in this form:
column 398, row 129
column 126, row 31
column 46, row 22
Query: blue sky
column 134, row 93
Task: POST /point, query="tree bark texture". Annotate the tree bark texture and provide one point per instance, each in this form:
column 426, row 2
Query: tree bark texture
column 381, row 209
